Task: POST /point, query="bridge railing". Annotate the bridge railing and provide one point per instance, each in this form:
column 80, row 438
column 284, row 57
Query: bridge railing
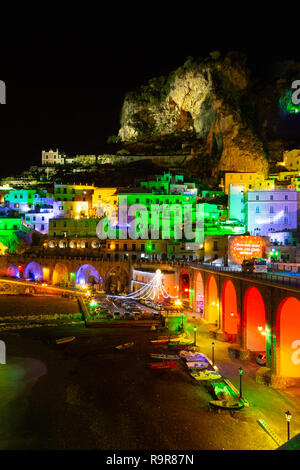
column 279, row 279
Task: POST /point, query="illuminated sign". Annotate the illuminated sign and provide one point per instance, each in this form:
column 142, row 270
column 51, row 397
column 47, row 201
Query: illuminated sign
column 246, row 247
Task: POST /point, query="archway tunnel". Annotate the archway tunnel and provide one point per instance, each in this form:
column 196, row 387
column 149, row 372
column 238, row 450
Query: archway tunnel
column 288, row 338
column 230, row 314
column 255, row 320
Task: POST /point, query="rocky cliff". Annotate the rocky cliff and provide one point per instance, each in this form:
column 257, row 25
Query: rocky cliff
column 209, row 108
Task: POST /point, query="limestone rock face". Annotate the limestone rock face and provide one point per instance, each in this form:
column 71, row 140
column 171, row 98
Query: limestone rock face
column 204, row 107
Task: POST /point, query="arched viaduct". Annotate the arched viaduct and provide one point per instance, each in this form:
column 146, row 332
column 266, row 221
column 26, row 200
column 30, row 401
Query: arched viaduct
column 112, row 276
column 254, row 314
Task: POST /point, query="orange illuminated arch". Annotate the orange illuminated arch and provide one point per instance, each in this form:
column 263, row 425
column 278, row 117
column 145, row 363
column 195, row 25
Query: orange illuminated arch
column 212, row 300
column 199, row 293
column 288, row 338
column 231, row 317
column 184, row 284
column 255, row 320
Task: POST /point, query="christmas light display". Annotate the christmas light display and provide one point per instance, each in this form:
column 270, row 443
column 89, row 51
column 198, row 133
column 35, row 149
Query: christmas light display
column 150, row 291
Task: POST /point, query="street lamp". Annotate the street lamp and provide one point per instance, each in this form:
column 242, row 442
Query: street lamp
column 288, row 419
column 241, row 373
column 195, row 335
column 213, row 353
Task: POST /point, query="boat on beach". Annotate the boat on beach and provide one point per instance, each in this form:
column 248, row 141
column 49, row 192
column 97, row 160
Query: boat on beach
column 205, row 374
column 170, row 357
column 124, row 346
column 197, row 365
column 163, row 365
column 179, row 344
column 190, row 356
column 159, row 341
column 230, row 405
column 65, row 340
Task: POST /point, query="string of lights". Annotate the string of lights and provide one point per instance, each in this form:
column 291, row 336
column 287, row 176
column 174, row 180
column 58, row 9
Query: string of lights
column 152, row 289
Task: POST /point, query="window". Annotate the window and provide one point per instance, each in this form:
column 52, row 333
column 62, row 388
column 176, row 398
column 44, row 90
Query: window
column 271, row 197
column 286, row 220
column 286, row 209
column 257, row 210
column 215, row 248
column 257, row 197
column 271, row 210
column 286, row 197
column 42, row 227
column 143, row 247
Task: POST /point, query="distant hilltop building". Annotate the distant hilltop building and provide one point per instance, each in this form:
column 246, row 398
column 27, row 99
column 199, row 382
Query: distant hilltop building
column 52, row 157
column 291, row 160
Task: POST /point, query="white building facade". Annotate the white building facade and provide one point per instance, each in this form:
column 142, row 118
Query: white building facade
column 271, row 211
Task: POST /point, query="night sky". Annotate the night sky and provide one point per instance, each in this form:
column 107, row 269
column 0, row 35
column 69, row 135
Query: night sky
column 67, row 72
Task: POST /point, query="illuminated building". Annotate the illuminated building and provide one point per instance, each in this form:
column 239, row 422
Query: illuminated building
column 104, row 196
column 20, row 199
column 236, row 202
column 72, row 201
column 271, row 211
column 291, row 160
column 53, row 157
column 248, row 180
column 10, row 230
column 39, row 221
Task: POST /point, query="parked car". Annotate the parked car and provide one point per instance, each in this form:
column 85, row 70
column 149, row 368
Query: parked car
column 261, row 359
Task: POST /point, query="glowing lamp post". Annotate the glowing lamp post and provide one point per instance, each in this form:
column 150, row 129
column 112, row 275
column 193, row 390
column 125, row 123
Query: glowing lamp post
column 213, row 353
column 241, row 374
column 195, row 335
column 288, row 420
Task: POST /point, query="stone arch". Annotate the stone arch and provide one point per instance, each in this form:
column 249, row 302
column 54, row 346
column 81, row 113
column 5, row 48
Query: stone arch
column 199, row 293
column 212, row 300
column 86, row 274
column 34, row 271
column 60, row 274
column 116, row 280
column 230, row 314
column 254, row 320
column 13, row 271
column 288, row 338
column 184, row 284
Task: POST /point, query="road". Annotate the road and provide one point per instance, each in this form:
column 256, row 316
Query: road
column 88, row 395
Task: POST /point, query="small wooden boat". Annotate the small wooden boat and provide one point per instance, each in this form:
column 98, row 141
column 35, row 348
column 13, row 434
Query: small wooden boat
column 165, row 339
column 227, row 404
column 65, row 340
column 205, row 374
column 197, row 365
column 124, row 346
column 163, row 365
column 190, row 356
column 179, row 345
column 170, row 357
column 159, row 341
